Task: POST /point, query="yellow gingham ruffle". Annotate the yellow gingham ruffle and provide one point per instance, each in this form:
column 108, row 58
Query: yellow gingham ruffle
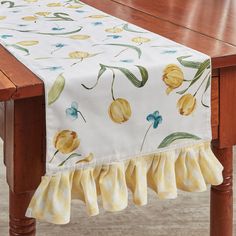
column 190, row 170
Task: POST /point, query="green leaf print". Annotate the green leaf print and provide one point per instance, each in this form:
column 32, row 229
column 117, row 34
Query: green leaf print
column 56, row 89
column 127, row 28
column 175, row 136
column 190, row 64
column 19, row 48
column 132, row 78
column 205, row 65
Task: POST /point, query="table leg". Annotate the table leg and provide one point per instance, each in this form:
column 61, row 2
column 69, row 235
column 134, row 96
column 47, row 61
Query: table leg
column 24, row 152
column 19, row 224
column 221, row 212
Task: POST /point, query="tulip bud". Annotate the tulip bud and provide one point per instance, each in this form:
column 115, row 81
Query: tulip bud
column 186, row 104
column 119, row 110
column 173, row 77
column 66, row 141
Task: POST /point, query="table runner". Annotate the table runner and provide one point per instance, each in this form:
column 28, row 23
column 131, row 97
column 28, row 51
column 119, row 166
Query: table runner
column 125, row 108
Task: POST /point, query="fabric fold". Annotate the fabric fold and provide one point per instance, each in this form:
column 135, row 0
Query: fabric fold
column 189, row 169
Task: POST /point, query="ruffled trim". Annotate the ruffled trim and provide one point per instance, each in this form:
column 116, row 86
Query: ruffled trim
column 189, row 169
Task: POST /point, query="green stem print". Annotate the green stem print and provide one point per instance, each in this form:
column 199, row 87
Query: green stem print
column 69, row 157
column 173, row 77
column 127, row 46
column 11, row 4
column 48, row 33
column 59, row 16
column 112, row 85
column 55, row 153
column 128, row 74
column 176, row 136
column 201, row 69
column 144, row 138
column 120, row 110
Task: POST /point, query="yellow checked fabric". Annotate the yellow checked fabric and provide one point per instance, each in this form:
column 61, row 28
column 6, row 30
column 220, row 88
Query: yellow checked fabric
column 125, row 108
column 188, row 169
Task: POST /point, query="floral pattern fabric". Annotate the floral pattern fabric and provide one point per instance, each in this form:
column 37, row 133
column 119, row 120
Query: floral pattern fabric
column 114, row 91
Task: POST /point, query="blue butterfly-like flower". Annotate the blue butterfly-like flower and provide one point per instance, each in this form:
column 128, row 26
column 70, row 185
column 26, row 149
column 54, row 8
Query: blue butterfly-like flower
column 114, row 36
column 57, row 28
column 5, row 36
column 127, row 60
column 96, row 23
column 59, row 45
column 53, row 68
column 73, row 112
column 80, row 11
column 155, row 118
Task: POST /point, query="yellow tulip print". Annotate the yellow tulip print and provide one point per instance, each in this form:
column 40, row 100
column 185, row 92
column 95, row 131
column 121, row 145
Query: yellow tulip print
column 28, row 43
column 119, row 110
column 79, row 37
column 114, row 30
column 54, row 4
column 186, row 104
column 97, row 16
column 43, row 13
column 78, row 55
column 66, row 141
column 140, row 40
column 173, row 77
column 29, row 18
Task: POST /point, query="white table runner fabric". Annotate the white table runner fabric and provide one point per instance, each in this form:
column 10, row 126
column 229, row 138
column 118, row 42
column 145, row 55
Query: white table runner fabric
column 124, row 107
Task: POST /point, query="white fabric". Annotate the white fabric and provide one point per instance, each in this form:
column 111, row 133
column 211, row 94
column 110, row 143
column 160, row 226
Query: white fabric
column 28, row 30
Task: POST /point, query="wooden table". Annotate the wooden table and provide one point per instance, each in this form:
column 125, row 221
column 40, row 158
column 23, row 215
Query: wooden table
column 207, row 26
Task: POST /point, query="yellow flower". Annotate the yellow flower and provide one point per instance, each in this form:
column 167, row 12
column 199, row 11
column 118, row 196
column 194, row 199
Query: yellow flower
column 66, row 141
column 74, row 6
column 43, row 13
column 186, row 104
column 140, row 40
column 173, row 77
column 2, row 17
column 97, row 16
column 29, row 18
column 114, row 30
column 79, row 37
column 28, row 43
column 119, row 110
column 78, row 55
column 54, row 4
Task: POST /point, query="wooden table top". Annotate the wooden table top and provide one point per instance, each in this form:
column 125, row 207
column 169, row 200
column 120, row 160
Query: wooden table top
column 214, row 18
column 211, row 31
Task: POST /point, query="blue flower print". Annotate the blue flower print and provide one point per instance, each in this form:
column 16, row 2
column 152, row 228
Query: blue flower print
column 58, row 46
column 53, row 68
column 80, row 11
column 114, row 36
column 96, row 23
column 127, row 60
column 57, row 28
column 155, row 118
column 73, row 112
